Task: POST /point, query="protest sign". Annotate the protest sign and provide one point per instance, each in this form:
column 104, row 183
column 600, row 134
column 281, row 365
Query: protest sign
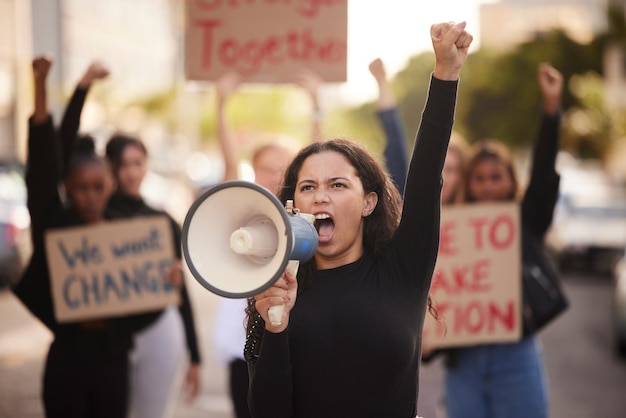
column 266, row 40
column 111, row 268
column 477, row 282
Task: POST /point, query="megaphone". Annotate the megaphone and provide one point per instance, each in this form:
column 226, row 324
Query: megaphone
column 238, row 239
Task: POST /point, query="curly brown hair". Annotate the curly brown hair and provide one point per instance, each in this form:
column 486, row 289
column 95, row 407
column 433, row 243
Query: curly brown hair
column 378, row 227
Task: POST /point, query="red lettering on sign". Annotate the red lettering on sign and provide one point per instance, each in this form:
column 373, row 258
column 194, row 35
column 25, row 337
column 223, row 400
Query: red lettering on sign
column 480, row 317
column 478, row 225
column 247, row 57
column 305, row 8
column 470, row 277
column 499, row 233
column 446, row 239
column 503, row 224
column 207, row 40
column 504, row 317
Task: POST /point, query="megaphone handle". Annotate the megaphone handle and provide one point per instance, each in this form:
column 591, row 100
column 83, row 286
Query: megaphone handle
column 275, row 313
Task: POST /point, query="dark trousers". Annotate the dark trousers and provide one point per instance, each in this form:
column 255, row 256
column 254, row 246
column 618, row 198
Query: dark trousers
column 239, row 388
column 85, row 384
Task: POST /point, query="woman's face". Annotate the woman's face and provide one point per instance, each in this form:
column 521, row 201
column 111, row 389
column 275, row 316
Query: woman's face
column 490, row 181
column 89, row 188
column 451, row 176
column 132, row 170
column 329, row 188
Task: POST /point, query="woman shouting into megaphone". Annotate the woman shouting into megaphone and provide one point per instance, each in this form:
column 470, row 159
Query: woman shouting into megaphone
column 349, row 341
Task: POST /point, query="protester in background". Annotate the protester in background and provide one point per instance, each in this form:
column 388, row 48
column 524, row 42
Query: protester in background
column 159, row 349
column 159, row 354
column 70, row 123
column 86, row 370
column 395, row 154
column 311, row 82
column 508, row 380
column 269, row 162
column 350, row 337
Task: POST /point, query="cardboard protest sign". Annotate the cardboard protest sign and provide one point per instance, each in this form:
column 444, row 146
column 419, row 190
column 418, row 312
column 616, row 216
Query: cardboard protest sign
column 266, row 40
column 477, row 283
column 111, row 269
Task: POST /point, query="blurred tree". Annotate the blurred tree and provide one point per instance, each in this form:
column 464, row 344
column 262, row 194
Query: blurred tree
column 587, row 127
column 499, row 97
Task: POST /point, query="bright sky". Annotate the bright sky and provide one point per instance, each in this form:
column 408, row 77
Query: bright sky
column 394, row 30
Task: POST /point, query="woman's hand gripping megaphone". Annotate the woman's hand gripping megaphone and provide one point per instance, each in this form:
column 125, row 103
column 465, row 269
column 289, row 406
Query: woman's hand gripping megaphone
column 276, row 302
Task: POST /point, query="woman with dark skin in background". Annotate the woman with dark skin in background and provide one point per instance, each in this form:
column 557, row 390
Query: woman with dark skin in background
column 86, row 370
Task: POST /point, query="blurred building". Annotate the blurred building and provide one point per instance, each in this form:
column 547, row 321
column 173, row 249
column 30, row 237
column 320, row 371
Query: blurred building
column 138, row 40
column 14, row 75
column 512, row 22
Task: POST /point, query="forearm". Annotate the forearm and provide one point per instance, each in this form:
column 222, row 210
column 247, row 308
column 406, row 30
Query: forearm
column 542, row 191
column 418, row 232
column 546, row 146
column 316, row 125
column 41, row 176
column 423, row 186
column 227, row 142
column 40, row 114
column 191, row 337
column 395, row 152
column 71, row 123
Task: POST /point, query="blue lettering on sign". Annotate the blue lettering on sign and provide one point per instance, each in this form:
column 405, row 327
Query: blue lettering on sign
column 72, row 303
column 144, row 245
column 111, row 287
column 98, row 288
column 86, row 253
column 92, row 287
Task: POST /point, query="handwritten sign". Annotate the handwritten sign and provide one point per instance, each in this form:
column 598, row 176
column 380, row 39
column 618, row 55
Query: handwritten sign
column 266, row 40
column 111, row 269
column 477, row 283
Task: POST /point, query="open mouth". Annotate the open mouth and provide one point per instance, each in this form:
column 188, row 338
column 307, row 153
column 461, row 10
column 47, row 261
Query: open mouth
column 325, row 226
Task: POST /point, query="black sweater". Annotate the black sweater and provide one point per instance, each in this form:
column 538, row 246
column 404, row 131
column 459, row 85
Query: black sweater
column 352, row 348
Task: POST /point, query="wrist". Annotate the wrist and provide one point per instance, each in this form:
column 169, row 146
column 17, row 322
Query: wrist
column 445, row 73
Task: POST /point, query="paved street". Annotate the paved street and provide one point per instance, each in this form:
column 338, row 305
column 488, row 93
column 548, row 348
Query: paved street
column 24, row 343
column 585, row 378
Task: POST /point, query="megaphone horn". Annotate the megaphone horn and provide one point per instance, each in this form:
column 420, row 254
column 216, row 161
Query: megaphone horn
column 238, row 239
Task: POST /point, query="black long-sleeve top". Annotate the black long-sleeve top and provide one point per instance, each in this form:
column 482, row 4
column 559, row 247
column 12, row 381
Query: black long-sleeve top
column 109, row 336
column 394, row 152
column 543, row 186
column 126, row 207
column 353, row 345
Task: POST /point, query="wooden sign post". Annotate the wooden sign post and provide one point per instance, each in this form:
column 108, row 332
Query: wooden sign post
column 477, row 283
column 266, row 40
column 111, row 269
